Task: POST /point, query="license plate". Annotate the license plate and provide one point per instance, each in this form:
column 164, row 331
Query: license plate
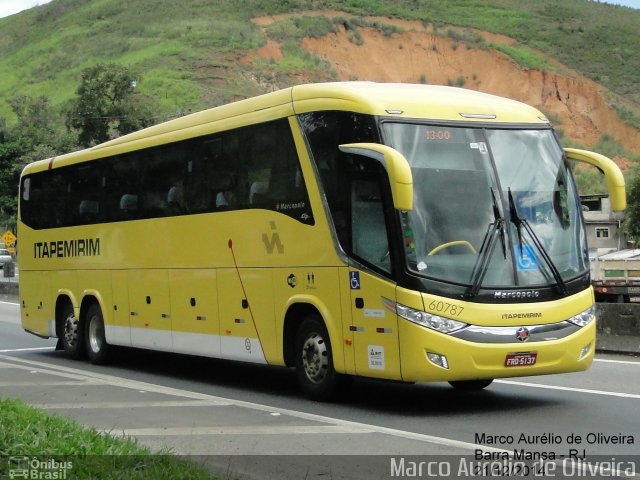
column 524, row 359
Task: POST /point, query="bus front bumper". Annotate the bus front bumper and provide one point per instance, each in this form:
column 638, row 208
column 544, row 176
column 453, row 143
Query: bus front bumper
column 427, row 355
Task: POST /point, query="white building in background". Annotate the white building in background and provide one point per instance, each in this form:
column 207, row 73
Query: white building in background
column 604, row 227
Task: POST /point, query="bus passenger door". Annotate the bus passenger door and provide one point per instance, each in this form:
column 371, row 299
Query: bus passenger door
column 374, row 327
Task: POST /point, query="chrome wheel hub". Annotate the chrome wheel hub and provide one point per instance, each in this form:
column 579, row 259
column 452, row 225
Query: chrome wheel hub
column 95, row 335
column 71, row 331
column 315, row 358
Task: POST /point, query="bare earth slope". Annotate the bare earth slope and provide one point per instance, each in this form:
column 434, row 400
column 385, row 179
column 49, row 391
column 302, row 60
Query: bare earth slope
column 576, row 104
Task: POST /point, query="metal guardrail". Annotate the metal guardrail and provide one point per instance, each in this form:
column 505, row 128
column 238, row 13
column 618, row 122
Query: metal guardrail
column 618, row 327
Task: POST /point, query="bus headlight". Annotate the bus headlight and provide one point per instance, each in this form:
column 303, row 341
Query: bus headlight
column 584, row 318
column 434, row 322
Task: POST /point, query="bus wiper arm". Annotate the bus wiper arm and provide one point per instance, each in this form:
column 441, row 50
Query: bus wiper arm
column 522, row 222
column 499, row 218
column 486, row 249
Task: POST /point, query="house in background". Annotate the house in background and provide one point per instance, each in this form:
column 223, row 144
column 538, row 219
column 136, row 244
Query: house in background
column 604, row 227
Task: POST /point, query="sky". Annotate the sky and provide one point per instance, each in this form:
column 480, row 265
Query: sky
column 9, row 7
column 626, row 3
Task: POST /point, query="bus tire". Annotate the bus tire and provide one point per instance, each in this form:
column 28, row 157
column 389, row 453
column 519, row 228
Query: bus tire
column 314, row 361
column 471, row 385
column 72, row 334
column 96, row 344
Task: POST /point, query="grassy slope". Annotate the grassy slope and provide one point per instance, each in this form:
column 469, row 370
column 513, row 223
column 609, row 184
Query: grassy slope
column 187, row 57
column 43, row 50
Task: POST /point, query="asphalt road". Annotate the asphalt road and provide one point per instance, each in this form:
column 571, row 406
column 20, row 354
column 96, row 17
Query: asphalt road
column 222, row 409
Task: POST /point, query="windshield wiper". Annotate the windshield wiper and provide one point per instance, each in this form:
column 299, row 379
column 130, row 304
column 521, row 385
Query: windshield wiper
column 486, row 249
column 522, row 222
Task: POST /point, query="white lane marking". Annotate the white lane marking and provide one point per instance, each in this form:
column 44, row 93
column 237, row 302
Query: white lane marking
column 115, row 405
column 569, row 389
column 30, row 349
column 137, row 385
column 240, row 430
column 9, row 303
column 47, row 371
column 624, row 362
column 46, row 384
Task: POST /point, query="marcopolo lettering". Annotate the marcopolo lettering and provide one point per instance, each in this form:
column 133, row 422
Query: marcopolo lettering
column 508, row 294
column 82, row 247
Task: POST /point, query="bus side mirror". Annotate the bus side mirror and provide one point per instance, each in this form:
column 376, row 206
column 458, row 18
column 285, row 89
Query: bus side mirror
column 396, row 166
column 612, row 174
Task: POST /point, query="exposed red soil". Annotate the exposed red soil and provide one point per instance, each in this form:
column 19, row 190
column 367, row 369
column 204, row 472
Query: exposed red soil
column 575, row 104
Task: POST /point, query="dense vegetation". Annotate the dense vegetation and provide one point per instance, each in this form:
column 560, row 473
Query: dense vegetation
column 188, row 55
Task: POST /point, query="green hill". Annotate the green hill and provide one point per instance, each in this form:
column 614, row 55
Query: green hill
column 186, row 54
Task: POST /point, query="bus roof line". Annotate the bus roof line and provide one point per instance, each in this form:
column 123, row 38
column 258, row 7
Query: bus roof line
column 205, row 117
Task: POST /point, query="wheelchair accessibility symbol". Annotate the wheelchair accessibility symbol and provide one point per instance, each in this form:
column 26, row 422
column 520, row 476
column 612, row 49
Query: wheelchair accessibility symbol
column 354, row 280
column 526, row 258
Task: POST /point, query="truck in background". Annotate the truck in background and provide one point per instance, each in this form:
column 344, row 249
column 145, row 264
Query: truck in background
column 615, row 276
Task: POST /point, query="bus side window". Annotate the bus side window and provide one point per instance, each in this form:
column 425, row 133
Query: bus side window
column 202, row 159
column 89, row 211
column 175, row 200
column 129, row 206
column 258, row 192
column 224, row 188
column 286, row 181
column 30, row 212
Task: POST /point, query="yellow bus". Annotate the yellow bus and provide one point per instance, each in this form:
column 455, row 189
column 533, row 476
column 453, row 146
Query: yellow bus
column 405, row 232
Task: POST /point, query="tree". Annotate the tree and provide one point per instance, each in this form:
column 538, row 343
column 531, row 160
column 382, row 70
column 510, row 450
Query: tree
column 37, row 134
column 10, row 151
column 36, row 119
column 632, row 222
column 107, row 105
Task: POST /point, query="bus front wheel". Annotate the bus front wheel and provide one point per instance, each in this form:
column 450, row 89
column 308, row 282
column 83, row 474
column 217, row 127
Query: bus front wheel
column 314, row 361
column 96, row 344
column 72, row 333
column 470, row 385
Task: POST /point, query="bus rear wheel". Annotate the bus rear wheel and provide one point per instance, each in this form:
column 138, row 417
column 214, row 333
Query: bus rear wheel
column 471, row 385
column 96, row 344
column 314, row 360
column 72, row 334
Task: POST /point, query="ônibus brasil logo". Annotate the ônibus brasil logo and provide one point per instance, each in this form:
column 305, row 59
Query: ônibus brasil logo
column 38, row 469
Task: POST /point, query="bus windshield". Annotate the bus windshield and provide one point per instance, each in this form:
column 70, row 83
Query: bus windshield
column 492, row 207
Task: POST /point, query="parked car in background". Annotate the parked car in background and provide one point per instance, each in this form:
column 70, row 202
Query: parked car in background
column 5, row 257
